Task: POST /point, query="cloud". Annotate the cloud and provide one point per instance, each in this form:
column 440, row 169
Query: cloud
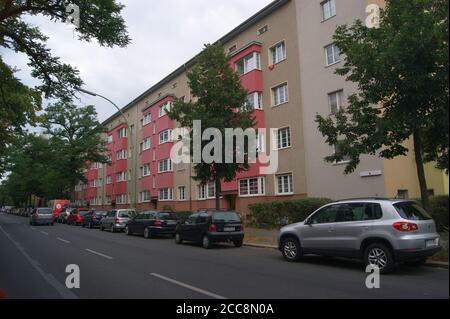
column 165, row 34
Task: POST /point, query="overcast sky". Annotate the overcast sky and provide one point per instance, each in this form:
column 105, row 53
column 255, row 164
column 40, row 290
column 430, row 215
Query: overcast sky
column 165, row 34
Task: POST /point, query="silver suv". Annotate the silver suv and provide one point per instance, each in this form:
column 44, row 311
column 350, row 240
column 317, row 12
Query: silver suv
column 117, row 219
column 381, row 232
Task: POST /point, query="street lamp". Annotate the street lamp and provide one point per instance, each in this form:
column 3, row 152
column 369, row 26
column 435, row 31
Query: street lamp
column 130, row 139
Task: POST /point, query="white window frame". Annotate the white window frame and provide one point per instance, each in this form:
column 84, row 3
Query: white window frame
column 167, row 194
column 257, row 101
column 339, row 100
column 278, row 53
column 121, row 199
column 163, row 109
column 204, row 191
column 147, row 119
column 182, row 193
column 250, row 62
column 336, row 58
column 108, row 180
column 163, row 139
column 261, row 142
column 146, row 144
column 279, row 139
column 344, row 161
column 145, row 197
column 122, row 155
column 122, row 133
column 109, row 139
column 167, row 167
column 245, row 182
column 328, row 8
column 145, row 170
column 121, row 177
column 276, row 94
column 290, row 189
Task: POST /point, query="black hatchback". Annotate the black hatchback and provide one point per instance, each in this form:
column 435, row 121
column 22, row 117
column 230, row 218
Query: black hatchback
column 152, row 223
column 211, row 226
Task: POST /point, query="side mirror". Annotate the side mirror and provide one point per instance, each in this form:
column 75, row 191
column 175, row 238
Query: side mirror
column 308, row 222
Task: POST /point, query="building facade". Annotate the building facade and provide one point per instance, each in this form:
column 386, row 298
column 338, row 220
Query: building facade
column 286, row 60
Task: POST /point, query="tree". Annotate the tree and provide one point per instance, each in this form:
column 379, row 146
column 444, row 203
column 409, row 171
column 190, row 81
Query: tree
column 99, row 19
column 401, row 70
column 76, row 136
column 218, row 99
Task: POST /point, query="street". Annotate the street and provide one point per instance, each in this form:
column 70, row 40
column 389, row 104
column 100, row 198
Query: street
column 33, row 262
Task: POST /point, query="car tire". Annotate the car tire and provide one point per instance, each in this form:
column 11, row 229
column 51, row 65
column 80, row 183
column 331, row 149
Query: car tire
column 238, row 243
column 113, row 230
column 380, row 255
column 147, row 233
column 416, row 263
column 90, row 225
column 127, row 231
column 206, row 242
column 291, row 249
column 101, row 228
column 178, row 239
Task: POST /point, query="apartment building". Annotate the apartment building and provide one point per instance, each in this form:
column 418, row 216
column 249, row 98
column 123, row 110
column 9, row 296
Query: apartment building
column 286, row 59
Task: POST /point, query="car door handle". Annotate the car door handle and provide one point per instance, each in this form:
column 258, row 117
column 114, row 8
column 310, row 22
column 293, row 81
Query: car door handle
column 365, row 228
column 331, row 229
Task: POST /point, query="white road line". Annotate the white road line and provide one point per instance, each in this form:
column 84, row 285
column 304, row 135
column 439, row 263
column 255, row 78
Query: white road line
column 99, row 254
column 44, row 233
column 32, row 228
column 201, row 291
column 63, row 240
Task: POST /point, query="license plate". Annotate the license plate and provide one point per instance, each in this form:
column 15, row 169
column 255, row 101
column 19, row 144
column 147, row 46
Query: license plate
column 171, row 222
column 229, row 229
column 432, row 243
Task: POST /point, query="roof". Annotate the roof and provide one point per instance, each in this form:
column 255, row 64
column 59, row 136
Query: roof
column 273, row 6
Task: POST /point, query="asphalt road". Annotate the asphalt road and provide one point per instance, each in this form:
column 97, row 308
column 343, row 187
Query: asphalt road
column 33, row 262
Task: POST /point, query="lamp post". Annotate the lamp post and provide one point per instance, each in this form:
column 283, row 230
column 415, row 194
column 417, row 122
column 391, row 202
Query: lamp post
column 130, row 140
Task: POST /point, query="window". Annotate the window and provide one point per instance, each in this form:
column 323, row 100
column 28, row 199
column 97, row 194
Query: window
column 108, row 179
column 93, row 183
column 108, row 200
column 165, row 136
column 337, row 149
column 165, row 194
column 354, row 212
column 146, row 144
column 280, row 94
column 278, row 53
column 325, row 215
column 254, row 101
column 121, row 155
column 262, row 30
column 121, row 177
column 163, row 109
column 402, row 194
column 412, row 211
column 252, row 186
column 249, row 63
column 182, row 193
column 332, row 54
column 109, row 156
column 109, row 140
column 336, row 101
column 283, row 138
column 284, row 184
column 144, row 197
column 121, row 199
column 145, row 170
column 147, row 119
column 232, row 49
column 122, row 133
column 260, row 142
column 206, row 191
column 165, row 166
column 328, row 9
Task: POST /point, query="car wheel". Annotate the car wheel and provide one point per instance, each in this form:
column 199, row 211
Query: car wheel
column 416, row 263
column 51, row 224
column 206, row 242
column 238, row 243
column 291, row 249
column 113, row 230
column 178, row 239
column 90, row 225
column 147, row 233
column 127, row 231
column 101, row 228
column 381, row 256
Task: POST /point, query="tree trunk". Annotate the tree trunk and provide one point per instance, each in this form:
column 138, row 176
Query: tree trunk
column 420, row 170
column 218, row 191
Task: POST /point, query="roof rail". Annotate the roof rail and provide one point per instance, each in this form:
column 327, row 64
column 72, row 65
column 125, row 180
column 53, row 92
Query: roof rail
column 361, row 198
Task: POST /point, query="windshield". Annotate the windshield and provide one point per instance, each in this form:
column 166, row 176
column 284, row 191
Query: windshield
column 412, row 211
column 100, row 214
column 44, row 211
column 226, row 217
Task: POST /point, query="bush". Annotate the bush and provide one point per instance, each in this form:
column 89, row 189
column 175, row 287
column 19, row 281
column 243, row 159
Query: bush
column 183, row 215
column 439, row 211
column 279, row 213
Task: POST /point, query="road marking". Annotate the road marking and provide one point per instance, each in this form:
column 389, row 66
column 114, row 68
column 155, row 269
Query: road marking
column 63, row 240
column 99, row 254
column 201, row 291
column 32, row 228
column 44, row 233
column 62, row 290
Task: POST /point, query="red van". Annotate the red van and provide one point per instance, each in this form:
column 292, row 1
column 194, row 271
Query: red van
column 57, row 205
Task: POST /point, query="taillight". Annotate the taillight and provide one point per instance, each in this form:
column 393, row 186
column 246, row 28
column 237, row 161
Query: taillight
column 116, row 221
column 158, row 222
column 242, row 227
column 94, row 217
column 212, row 228
column 405, row 227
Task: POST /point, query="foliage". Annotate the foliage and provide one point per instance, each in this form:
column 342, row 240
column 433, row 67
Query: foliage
column 279, row 213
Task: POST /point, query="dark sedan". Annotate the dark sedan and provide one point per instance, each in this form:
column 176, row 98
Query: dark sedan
column 92, row 218
column 152, row 223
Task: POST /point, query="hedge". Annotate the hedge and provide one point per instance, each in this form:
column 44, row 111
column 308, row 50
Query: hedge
column 439, row 211
column 280, row 213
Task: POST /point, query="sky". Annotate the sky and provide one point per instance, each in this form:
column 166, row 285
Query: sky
column 165, row 34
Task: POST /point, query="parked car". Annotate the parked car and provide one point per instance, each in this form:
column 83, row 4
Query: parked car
column 76, row 216
column 41, row 216
column 64, row 215
column 381, row 232
column 152, row 223
column 116, row 220
column 211, row 226
column 93, row 218
column 57, row 206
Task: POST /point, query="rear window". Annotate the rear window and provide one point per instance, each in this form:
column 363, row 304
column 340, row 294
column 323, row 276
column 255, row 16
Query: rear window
column 102, row 214
column 126, row 214
column 226, row 217
column 82, row 213
column 166, row 216
column 44, row 211
column 411, row 211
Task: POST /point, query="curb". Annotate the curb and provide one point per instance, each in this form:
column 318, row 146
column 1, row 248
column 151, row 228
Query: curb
column 434, row 264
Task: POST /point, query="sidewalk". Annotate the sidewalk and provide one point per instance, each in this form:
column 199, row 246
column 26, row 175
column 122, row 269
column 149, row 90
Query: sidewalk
column 267, row 238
